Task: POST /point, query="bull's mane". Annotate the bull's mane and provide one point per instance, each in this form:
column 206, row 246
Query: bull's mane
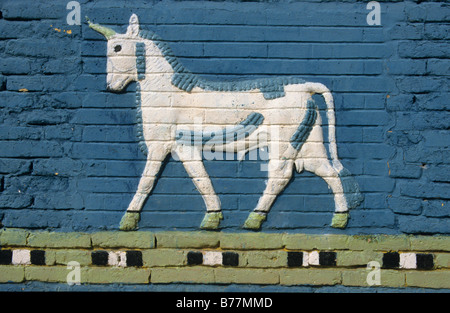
column 184, row 79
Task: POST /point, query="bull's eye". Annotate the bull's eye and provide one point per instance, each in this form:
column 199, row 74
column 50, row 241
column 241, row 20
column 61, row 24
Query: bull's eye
column 117, row 48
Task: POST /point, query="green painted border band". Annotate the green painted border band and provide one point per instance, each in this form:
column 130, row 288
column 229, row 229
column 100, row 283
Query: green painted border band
column 204, row 239
column 263, row 258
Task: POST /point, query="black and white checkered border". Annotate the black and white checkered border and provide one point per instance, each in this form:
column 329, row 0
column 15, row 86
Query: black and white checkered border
column 294, row 258
column 127, row 258
column 311, row 258
column 22, row 257
column 212, row 258
column 408, row 260
column 117, row 258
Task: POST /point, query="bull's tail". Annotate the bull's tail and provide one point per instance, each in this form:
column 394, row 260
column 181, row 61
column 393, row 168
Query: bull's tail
column 349, row 184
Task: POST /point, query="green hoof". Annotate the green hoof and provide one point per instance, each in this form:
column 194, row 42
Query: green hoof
column 211, row 220
column 339, row 220
column 254, row 221
column 129, row 221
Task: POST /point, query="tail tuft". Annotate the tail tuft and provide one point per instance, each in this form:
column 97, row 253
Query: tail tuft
column 351, row 189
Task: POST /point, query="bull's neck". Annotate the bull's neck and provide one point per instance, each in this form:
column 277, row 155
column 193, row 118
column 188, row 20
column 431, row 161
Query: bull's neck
column 152, row 65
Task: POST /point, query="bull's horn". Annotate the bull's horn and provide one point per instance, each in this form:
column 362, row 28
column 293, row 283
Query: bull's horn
column 105, row 31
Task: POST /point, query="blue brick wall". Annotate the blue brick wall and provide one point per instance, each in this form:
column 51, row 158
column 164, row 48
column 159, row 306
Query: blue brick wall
column 70, row 161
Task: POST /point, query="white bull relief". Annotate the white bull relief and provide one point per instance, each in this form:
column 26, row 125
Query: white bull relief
column 185, row 114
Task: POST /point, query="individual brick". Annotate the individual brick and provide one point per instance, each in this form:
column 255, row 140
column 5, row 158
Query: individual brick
column 442, row 260
column 194, row 240
column 111, row 275
column 13, row 237
column 311, row 242
column 263, row 259
column 230, row 259
column 14, row 274
column 391, row 260
column 378, row 242
column 134, row 258
column 251, row 241
column 225, row 275
column 310, row 276
column 164, row 257
column 294, row 259
column 357, row 258
column 424, row 261
column 37, row 257
column 116, row 239
column 46, row 273
column 194, row 258
column 20, row 256
column 359, row 277
column 5, row 257
column 99, row 258
column 59, row 240
column 212, row 258
column 63, row 256
column 430, row 243
column 426, row 279
column 182, row 275
column 327, row 258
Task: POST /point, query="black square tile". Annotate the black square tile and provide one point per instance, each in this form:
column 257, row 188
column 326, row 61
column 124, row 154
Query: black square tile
column 99, row 257
column 327, row 258
column 230, row 259
column 5, row 257
column 37, row 257
column 424, row 261
column 391, row 260
column 134, row 258
column 294, row 259
column 194, row 258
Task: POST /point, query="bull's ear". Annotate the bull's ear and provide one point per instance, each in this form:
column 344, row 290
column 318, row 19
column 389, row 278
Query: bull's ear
column 133, row 28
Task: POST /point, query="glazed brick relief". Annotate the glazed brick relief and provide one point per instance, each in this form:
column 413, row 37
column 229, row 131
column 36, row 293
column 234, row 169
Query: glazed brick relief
column 72, row 152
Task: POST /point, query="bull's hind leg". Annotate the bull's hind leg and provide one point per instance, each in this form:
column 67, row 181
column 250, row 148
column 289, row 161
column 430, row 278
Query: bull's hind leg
column 280, row 173
column 323, row 168
column 192, row 162
column 156, row 155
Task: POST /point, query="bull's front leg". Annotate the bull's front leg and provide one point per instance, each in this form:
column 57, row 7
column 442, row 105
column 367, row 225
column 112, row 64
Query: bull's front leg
column 156, row 155
column 192, row 161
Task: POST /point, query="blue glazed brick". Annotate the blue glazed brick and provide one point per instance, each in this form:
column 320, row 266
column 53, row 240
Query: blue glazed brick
column 438, row 173
column 102, row 116
column 59, row 201
column 405, row 170
column 436, row 208
column 112, row 151
column 423, row 49
column 404, row 205
column 15, row 166
column 15, row 65
column 372, row 218
column 106, row 201
column 29, row 149
column 421, row 224
column 15, row 201
column 64, row 167
column 297, row 220
column 438, row 66
column 388, row 84
column 109, row 134
column 424, row 189
column 69, row 65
